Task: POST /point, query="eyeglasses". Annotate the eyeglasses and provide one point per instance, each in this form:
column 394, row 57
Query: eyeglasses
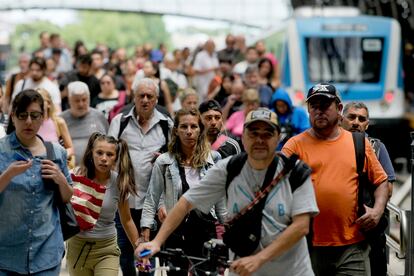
column 34, row 116
column 142, row 96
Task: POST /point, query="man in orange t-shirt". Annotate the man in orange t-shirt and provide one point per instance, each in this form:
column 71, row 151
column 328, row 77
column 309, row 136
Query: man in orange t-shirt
column 338, row 239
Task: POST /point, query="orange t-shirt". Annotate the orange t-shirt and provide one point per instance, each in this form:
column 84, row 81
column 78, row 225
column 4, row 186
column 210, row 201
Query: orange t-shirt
column 335, row 179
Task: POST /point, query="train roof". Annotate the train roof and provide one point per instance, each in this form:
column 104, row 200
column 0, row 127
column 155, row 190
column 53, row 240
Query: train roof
column 341, row 11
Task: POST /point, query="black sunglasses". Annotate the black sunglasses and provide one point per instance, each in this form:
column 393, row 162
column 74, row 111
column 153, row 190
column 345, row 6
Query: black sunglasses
column 34, row 115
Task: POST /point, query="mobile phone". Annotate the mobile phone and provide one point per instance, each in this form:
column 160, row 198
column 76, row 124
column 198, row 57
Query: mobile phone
column 17, row 156
column 144, row 253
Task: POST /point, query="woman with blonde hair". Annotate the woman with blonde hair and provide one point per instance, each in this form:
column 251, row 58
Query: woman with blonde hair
column 174, row 172
column 251, row 101
column 54, row 128
column 189, row 99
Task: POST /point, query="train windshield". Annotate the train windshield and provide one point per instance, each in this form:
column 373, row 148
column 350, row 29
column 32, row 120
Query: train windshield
column 344, row 59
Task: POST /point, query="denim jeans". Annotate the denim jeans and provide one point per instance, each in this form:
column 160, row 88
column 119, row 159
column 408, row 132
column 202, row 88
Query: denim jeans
column 127, row 260
column 54, row 271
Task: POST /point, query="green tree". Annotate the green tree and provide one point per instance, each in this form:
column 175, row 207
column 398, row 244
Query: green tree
column 112, row 28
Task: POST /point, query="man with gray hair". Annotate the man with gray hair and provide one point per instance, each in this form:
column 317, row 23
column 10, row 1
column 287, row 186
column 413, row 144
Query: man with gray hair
column 147, row 132
column 82, row 120
column 355, row 118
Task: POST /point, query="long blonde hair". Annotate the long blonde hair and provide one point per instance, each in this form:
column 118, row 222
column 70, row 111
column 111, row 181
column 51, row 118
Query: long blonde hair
column 202, row 149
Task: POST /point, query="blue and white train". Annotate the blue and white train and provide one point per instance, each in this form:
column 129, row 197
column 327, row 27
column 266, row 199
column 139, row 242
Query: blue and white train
column 359, row 54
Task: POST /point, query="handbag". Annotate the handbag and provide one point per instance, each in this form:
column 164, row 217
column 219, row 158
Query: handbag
column 87, row 201
column 67, row 217
column 243, row 232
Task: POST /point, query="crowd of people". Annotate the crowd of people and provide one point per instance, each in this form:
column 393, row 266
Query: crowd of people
column 162, row 131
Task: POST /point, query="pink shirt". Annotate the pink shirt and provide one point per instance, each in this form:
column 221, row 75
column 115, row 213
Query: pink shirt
column 48, row 131
column 235, row 123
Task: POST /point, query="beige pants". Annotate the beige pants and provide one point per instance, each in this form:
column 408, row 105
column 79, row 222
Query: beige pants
column 93, row 257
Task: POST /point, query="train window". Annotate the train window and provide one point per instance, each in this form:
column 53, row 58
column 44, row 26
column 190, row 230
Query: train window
column 344, row 59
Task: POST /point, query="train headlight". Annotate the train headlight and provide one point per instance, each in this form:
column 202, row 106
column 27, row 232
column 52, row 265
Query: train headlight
column 299, row 97
column 389, row 96
column 388, row 99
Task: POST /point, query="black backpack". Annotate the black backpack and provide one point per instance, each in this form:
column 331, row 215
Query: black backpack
column 163, row 123
column 366, row 189
column 242, row 236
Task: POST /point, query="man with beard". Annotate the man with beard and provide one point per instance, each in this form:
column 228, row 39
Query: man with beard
column 37, row 79
column 339, row 245
column 356, row 118
column 213, row 122
column 287, row 210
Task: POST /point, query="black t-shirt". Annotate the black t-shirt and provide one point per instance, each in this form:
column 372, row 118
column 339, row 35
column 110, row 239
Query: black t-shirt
column 91, row 81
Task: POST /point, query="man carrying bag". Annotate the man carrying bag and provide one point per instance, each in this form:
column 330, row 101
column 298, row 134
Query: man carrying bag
column 281, row 245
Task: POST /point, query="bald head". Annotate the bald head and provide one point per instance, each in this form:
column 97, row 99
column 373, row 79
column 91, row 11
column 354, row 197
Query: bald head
column 209, row 46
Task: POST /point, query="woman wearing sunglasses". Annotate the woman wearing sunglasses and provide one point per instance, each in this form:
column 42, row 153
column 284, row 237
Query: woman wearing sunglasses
column 31, row 241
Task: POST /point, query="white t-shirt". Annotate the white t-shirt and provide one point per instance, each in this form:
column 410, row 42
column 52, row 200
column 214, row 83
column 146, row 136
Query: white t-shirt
column 45, row 83
column 281, row 206
column 192, row 176
column 204, row 61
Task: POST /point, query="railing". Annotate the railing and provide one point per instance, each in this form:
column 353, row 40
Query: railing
column 404, row 245
column 399, row 244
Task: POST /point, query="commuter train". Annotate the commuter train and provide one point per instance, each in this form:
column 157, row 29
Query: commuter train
column 359, row 54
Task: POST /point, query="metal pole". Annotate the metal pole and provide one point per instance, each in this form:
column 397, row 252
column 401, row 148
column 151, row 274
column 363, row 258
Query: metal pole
column 409, row 258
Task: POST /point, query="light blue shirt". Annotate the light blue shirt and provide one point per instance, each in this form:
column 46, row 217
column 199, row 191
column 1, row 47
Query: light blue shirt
column 30, row 234
column 141, row 145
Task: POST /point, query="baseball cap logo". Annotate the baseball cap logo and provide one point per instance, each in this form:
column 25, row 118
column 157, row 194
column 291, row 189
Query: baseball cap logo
column 261, row 114
column 321, row 88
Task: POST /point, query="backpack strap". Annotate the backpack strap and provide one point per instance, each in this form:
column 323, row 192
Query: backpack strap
column 234, row 167
column 124, row 122
column 359, row 145
column 165, row 129
column 300, row 171
column 50, row 153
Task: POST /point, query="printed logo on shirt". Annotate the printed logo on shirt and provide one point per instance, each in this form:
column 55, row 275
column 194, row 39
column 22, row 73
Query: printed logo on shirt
column 281, row 209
